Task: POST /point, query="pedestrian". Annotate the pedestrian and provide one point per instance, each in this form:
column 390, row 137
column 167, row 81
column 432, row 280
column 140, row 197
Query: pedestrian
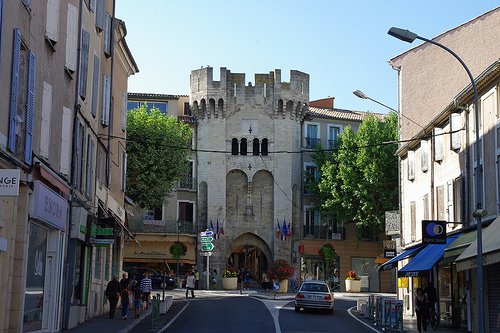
column 131, row 287
column 248, row 277
column 430, row 292
column 214, row 277
column 146, row 289
column 137, row 300
column 422, row 310
column 125, row 300
column 308, row 277
column 239, row 276
column 336, row 284
column 265, row 282
column 196, row 279
column 295, row 277
column 190, row 283
column 113, row 294
column 124, row 282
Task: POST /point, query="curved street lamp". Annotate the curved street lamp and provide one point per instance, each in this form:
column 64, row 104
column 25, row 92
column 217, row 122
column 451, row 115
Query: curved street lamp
column 408, row 36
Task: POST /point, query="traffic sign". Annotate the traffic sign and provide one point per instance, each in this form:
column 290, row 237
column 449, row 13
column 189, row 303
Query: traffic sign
column 207, row 246
column 206, row 233
column 207, row 239
column 206, row 254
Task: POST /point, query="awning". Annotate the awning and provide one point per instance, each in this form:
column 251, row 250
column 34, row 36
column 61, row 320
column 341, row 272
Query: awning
column 394, row 261
column 491, row 249
column 461, row 244
column 425, row 259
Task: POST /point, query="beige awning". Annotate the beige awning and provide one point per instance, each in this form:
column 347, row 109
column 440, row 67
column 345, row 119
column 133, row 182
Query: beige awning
column 491, row 249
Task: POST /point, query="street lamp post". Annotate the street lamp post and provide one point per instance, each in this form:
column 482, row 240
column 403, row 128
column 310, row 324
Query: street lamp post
column 408, row 36
column 179, row 224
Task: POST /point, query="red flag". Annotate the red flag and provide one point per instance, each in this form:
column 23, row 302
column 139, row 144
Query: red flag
column 278, row 230
column 222, row 227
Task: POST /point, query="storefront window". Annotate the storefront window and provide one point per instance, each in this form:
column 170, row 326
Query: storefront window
column 97, row 268
column 35, row 275
column 367, row 269
column 315, row 267
column 445, row 292
column 77, row 277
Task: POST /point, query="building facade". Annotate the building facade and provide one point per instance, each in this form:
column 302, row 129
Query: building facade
column 43, row 62
column 439, row 168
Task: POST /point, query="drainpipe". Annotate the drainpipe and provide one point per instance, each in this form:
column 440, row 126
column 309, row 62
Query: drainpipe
column 71, row 252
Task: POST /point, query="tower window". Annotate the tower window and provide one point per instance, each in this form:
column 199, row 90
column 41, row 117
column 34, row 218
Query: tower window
column 264, row 147
column 243, row 146
column 234, row 146
column 256, row 147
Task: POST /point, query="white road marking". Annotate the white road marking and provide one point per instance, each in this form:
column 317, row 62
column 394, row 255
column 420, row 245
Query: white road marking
column 274, row 307
column 362, row 322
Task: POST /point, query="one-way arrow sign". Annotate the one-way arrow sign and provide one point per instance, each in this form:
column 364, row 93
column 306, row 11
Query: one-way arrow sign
column 207, row 246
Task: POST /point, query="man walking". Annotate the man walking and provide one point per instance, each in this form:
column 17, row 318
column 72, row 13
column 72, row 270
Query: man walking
column 113, row 294
column 196, row 279
column 190, row 281
column 146, row 288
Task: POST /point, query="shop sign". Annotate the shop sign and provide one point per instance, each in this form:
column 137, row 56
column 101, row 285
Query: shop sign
column 50, row 206
column 104, row 241
column 9, row 182
column 389, row 249
column 433, row 232
column 104, row 232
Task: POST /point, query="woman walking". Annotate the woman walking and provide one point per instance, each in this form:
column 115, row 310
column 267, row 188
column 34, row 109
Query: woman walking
column 422, row 310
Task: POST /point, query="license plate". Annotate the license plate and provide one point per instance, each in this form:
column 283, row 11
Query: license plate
column 314, row 297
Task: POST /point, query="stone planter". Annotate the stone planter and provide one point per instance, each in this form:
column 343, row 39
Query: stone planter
column 230, row 283
column 283, row 286
column 353, row 286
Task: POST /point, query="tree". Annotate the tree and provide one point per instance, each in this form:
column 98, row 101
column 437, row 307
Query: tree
column 158, row 148
column 359, row 179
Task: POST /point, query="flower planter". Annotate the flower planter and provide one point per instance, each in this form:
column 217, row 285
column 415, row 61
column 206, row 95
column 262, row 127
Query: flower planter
column 353, row 286
column 283, row 286
column 230, row 283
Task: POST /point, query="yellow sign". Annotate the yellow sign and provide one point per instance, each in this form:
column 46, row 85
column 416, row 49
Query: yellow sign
column 403, row 282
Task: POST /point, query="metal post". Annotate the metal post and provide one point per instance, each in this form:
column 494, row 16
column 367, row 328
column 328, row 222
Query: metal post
column 178, row 273
column 208, row 272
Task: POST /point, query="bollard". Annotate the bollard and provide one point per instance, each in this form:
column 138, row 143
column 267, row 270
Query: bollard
column 155, row 310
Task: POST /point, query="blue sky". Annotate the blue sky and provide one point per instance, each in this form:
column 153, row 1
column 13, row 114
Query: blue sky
column 342, row 45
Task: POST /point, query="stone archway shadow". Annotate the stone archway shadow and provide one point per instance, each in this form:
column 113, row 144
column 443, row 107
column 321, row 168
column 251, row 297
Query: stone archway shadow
column 249, row 239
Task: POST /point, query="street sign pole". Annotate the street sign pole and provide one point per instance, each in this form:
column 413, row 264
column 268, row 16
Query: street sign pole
column 208, row 272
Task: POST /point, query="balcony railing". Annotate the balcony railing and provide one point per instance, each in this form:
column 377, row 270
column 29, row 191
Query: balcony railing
column 312, row 143
column 323, row 232
column 332, row 144
column 162, row 226
column 187, row 183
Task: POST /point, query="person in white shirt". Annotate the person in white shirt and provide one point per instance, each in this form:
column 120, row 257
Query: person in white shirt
column 146, row 288
column 190, row 281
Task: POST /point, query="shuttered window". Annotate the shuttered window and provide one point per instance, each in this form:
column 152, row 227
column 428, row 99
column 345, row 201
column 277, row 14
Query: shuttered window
column 424, row 154
column 45, row 125
column 413, row 221
column 71, row 38
column 52, row 21
column 100, row 166
column 438, row 144
column 411, row 165
column 99, row 15
column 124, row 111
column 124, row 171
column 30, row 110
column 107, row 34
column 456, row 133
column 90, row 166
column 95, row 85
column 440, row 203
column 16, row 57
column 84, row 65
column 106, row 99
column 66, row 141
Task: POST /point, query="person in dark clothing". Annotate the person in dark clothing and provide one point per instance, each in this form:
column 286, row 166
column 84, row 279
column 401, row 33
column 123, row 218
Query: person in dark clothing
column 137, row 300
column 422, row 310
column 125, row 300
column 113, row 294
column 431, row 293
column 124, row 282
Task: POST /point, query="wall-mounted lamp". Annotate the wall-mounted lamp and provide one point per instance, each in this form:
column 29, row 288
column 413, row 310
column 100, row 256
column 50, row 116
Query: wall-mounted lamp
column 127, row 242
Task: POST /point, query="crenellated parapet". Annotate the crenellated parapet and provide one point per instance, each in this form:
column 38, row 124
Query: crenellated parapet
column 221, row 99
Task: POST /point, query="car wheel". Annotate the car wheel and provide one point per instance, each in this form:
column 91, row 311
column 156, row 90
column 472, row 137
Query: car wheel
column 297, row 309
column 330, row 311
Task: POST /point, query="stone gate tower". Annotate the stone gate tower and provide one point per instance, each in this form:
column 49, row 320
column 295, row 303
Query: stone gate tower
column 249, row 166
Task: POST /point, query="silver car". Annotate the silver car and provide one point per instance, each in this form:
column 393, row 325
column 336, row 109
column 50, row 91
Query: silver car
column 314, row 295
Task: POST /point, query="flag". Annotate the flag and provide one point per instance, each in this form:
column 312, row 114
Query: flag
column 217, row 233
column 222, row 227
column 211, row 226
column 278, row 230
column 289, row 230
column 285, row 233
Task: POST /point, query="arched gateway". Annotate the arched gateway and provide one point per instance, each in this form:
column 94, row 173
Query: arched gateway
column 251, row 251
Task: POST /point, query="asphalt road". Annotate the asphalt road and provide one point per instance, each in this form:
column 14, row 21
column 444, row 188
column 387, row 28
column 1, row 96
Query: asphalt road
column 234, row 313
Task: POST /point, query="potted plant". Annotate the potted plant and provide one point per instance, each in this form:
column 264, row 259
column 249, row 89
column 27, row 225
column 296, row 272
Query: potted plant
column 230, row 280
column 178, row 249
column 353, row 282
column 280, row 271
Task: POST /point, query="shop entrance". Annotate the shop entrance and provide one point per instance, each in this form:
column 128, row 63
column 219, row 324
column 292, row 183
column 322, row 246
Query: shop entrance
column 249, row 251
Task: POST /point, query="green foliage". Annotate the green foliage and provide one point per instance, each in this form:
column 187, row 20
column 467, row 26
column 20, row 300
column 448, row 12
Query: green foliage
column 158, row 148
column 178, row 249
column 359, row 181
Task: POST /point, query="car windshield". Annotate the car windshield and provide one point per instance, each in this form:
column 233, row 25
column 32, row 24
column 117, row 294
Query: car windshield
column 314, row 287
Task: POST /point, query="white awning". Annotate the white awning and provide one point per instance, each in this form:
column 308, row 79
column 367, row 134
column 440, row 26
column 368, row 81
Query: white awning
column 491, row 249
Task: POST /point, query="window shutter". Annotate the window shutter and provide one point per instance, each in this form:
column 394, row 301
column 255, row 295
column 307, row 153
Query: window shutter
column 52, row 22
column 65, row 141
column 411, row 165
column 99, row 15
column 124, row 171
column 95, row 85
column 124, row 111
column 424, row 154
column 45, row 125
column 76, row 162
column 107, row 35
column 30, row 110
column 71, row 37
column 106, row 93
column 84, row 63
column 99, row 168
column 438, row 144
column 81, row 184
column 90, row 162
column 456, row 135
column 92, row 5
column 14, row 90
